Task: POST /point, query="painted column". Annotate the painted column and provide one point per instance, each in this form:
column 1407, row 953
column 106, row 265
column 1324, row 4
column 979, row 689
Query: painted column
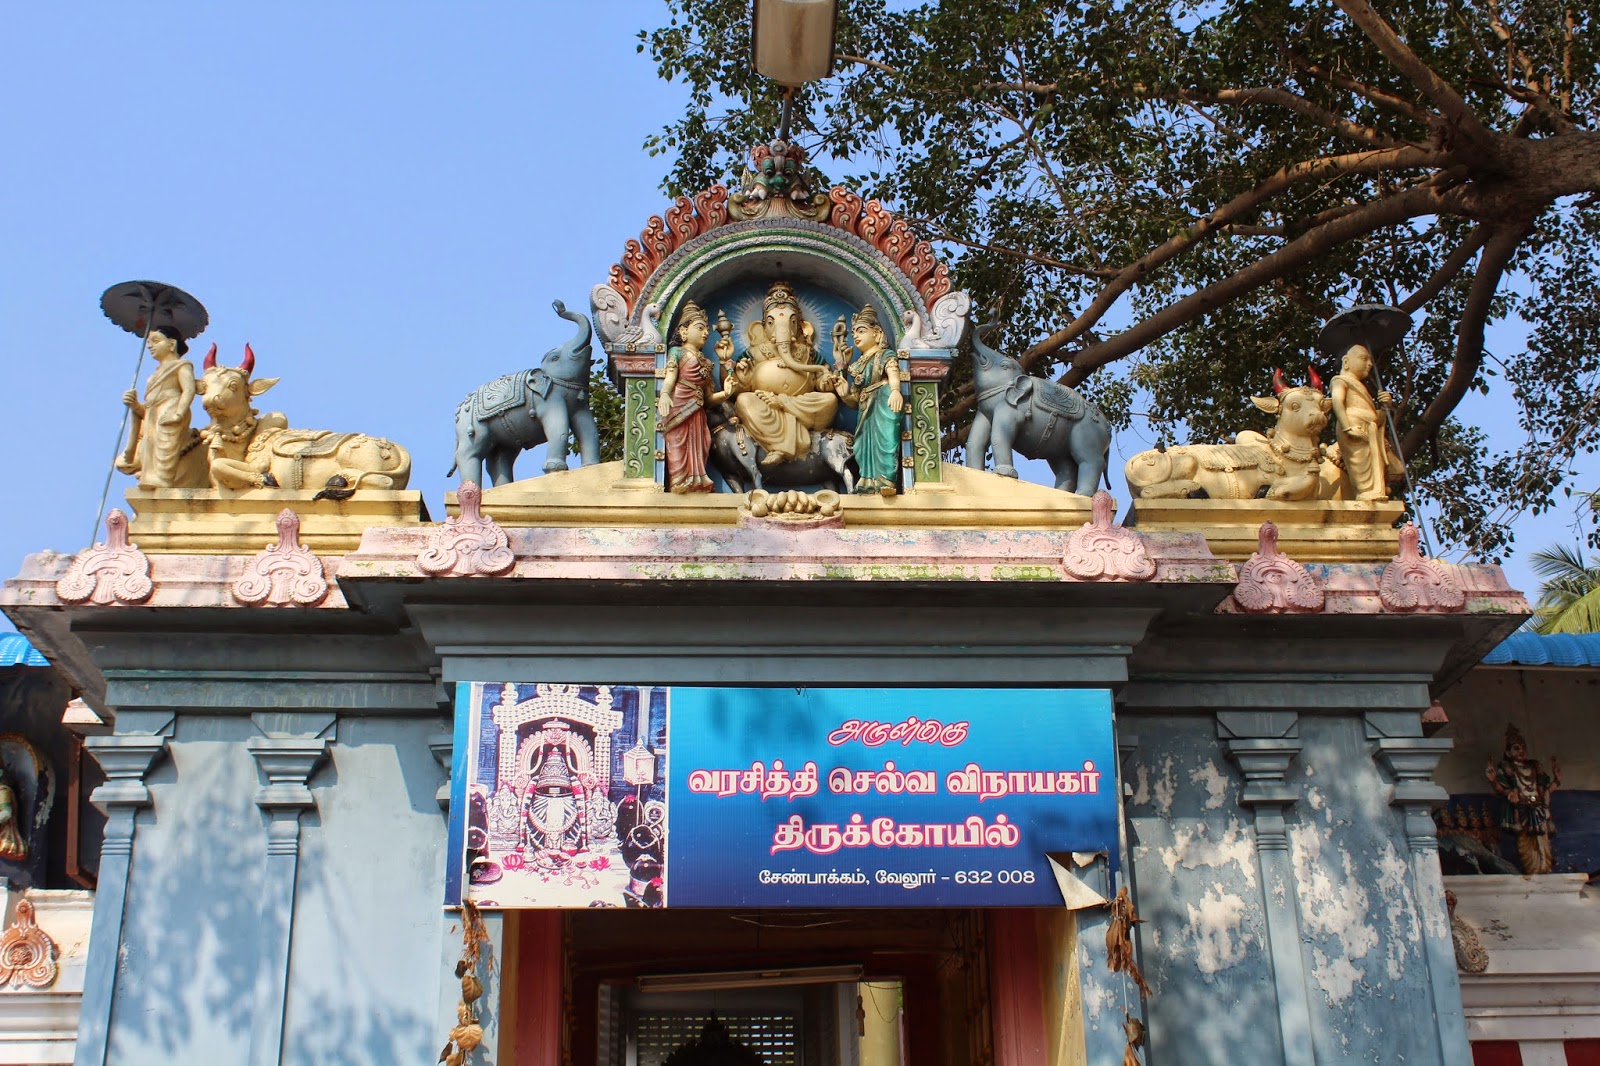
column 287, row 762
column 638, row 372
column 1264, row 762
column 125, row 760
column 925, row 369
column 1410, row 761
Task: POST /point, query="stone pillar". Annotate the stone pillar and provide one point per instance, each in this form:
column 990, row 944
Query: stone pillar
column 125, row 760
column 925, row 369
column 1264, row 762
column 288, row 762
column 639, row 374
column 1410, row 761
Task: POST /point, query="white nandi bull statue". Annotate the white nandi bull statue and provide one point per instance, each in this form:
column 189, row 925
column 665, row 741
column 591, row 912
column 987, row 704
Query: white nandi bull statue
column 249, row 450
column 1285, row 464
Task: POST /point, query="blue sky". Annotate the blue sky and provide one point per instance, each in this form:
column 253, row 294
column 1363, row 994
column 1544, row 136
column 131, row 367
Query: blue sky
column 381, row 199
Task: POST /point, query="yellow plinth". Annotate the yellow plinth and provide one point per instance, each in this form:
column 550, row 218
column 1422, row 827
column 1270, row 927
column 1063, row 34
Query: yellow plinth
column 600, row 496
column 202, row 522
column 1332, row 531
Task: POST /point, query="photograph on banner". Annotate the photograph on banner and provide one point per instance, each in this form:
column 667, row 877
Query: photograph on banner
column 641, row 796
column 564, row 798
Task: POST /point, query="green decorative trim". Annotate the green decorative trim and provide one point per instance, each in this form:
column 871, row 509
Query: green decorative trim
column 639, row 429
column 925, row 455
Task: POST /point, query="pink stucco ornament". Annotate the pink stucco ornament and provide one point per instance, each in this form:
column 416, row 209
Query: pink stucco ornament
column 1411, row 583
column 27, row 954
column 1101, row 551
column 471, row 544
column 110, row 573
column 286, row 574
column 1272, row 583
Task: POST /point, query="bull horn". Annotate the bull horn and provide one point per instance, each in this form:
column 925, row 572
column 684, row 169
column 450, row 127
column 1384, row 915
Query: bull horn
column 1277, row 382
column 211, row 358
column 1316, row 382
column 249, row 363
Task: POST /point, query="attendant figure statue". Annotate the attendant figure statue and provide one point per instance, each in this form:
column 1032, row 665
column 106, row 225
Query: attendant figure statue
column 871, row 383
column 13, row 844
column 781, row 392
column 1526, row 788
column 1369, row 461
column 160, row 433
column 685, row 392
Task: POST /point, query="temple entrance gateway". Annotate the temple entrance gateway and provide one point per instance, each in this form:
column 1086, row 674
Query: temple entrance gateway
column 856, row 988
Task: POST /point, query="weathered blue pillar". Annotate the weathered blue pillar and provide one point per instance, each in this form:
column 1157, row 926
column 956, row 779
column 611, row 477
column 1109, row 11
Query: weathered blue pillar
column 1410, row 760
column 1264, row 762
column 125, row 760
column 288, row 761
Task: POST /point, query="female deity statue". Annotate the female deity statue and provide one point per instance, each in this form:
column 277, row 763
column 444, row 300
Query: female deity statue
column 871, row 383
column 780, row 390
column 685, row 392
column 160, row 434
column 1363, row 429
column 1526, row 788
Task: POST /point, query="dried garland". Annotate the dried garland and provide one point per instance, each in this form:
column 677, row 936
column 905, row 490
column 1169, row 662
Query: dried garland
column 1119, row 956
column 468, row 1031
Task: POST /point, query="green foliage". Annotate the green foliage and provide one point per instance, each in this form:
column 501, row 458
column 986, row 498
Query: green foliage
column 608, row 408
column 1168, row 199
column 1569, row 600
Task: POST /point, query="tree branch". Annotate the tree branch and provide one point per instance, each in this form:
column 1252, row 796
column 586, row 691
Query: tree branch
column 1447, row 271
column 1326, row 167
column 1293, row 102
column 1376, row 96
column 1497, row 252
column 864, row 61
column 1435, row 88
column 1376, row 215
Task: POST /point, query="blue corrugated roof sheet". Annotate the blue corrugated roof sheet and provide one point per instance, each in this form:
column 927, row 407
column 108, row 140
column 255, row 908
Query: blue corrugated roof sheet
column 16, row 651
column 1537, row 649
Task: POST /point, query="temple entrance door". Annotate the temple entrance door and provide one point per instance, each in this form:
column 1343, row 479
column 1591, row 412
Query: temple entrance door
column 812, row 988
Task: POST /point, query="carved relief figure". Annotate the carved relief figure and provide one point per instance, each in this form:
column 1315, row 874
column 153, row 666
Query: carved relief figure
column 1364, row 449
column 871, row 383
column 1526, row 788
column 686, row 391
column 782, row 393
column 161, row 442
column 13, row 842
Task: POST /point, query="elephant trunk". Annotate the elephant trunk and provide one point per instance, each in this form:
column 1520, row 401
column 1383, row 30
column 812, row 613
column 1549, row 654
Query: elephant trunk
column 578, row 346
column 984, row 356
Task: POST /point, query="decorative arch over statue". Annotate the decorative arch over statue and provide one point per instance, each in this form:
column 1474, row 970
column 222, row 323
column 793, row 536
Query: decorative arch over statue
column 829, row 248
column 560, row 702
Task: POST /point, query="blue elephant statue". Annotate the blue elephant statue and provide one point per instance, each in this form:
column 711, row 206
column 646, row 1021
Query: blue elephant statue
column 500, row 420
column 1041, row 419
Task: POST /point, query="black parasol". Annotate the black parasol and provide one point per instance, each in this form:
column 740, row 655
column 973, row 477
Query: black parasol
column 140, row 306
column 1378, row 326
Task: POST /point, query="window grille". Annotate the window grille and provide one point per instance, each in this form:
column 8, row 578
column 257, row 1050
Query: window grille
column 773, row 1036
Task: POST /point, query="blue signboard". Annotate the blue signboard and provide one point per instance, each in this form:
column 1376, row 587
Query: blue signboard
column 595, row 795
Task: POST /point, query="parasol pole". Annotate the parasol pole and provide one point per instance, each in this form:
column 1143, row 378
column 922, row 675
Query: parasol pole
column 1399, row 452
column 127, row 414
